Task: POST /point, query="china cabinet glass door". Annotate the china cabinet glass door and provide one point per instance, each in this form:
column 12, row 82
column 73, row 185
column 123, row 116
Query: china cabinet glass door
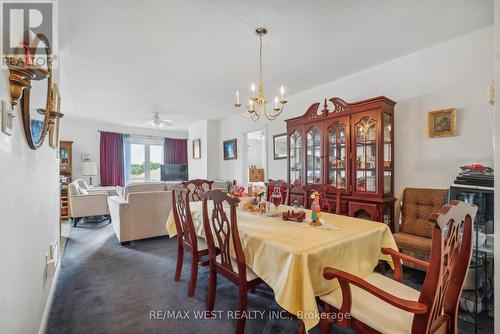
column 365, row 132
column 313, row 156
column 387, row 153
column 337, row 155
column 295, row 156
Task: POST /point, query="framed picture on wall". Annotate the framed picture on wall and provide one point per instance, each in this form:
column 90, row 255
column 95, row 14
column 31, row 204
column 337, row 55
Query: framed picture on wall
column 230, row 149
column 280, row 146
column 197, row 149
column 443, row 123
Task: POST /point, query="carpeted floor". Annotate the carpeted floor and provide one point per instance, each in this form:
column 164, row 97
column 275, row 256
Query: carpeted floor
column 107, row 288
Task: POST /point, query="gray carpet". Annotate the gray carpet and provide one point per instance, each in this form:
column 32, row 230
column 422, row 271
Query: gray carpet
column 107, row 288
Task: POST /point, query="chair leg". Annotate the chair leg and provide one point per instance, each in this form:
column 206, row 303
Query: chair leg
column 301, row 327
column 180, row 258
column 325, row 326
column 194, row 276
column 212, row 287
column 240, row 326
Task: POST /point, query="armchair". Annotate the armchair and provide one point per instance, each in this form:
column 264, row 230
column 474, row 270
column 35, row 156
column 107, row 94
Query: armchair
column 377, row 303
column 86, row 204
column 416, row 230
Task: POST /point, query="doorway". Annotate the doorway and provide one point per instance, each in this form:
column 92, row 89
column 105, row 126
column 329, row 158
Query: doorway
column 255, row 166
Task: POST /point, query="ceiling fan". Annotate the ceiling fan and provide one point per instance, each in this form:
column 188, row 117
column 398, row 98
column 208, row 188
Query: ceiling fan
column 157, row 122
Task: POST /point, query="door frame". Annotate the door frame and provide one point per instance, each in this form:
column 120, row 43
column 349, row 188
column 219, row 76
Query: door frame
column 244, row 175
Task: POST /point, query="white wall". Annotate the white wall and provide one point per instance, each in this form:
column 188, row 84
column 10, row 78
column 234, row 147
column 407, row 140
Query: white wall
column 85, row 136
column 451, row 74
column 208, row 133
column 197, row 168
column 29, row 221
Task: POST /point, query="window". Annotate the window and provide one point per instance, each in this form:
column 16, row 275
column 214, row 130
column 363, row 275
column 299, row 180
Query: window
column 146, row 156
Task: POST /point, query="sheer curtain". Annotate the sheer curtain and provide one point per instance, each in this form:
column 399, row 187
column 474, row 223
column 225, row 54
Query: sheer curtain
column 112, row 159
column 127, row 161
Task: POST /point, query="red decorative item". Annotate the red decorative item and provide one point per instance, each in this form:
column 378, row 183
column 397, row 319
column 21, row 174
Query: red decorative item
column 294, row 216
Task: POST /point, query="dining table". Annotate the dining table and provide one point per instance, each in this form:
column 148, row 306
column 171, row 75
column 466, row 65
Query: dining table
column 290, row 256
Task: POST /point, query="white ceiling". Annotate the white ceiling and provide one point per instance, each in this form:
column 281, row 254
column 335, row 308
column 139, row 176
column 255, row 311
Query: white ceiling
column 123, row 60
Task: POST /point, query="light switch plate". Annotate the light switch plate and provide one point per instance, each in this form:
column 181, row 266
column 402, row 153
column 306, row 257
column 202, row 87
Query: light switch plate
column 7, row 118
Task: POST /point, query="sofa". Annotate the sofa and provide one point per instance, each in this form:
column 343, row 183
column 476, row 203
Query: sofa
column 140, row 210
column 83, row 203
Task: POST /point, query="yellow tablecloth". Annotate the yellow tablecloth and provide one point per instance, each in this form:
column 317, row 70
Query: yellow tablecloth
column 290, row 257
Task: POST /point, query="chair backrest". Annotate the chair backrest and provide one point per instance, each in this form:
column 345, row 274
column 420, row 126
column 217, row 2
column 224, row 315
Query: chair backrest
column 324, row 202
column 449, row 261
column 418, row 204
column 284, row 189
column 183, row 219
column 197, row 186
column 220, row 231
column 323, row 190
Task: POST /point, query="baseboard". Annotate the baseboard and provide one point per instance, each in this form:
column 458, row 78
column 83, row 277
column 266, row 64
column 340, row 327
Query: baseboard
column 48, row 305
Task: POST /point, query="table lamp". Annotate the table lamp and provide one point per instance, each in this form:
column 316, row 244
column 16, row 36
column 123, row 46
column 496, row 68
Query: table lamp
column 90, row 169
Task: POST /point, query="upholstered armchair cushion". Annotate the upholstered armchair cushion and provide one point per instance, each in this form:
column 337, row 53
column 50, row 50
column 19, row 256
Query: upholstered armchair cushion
column 143, row 187
column 374, row 312
column 413, row 243
column 418, row 204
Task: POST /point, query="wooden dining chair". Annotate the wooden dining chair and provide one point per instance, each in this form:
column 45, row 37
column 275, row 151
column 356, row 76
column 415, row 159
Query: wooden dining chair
column 186, row 234
column 324, row 202
column 377, row 303
column 197, row 186
column 284, row 189
column 220, row 231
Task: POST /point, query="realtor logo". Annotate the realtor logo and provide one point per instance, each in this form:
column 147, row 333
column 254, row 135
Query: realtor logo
column 24, row 22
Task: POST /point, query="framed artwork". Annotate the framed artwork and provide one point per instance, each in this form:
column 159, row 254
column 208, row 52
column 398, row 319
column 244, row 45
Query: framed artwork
column 280, row 146
column 443, row 123
column 197, row 149
column 230, row 149
column 7, row 116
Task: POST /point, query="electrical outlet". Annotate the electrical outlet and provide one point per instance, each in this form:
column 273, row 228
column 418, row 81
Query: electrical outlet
column 51, row 260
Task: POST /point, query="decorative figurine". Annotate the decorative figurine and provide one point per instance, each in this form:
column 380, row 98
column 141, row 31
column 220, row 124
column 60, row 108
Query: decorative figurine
column 316, row 210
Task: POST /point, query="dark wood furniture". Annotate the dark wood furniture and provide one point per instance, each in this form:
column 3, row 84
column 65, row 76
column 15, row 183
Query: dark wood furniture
column 415, row 233
column 435, row 308
column 284, row 189
column 220, row 232
column 196, row 187
column 330, row 197
column 348, row 146
column 65, row 175
column 187, row 238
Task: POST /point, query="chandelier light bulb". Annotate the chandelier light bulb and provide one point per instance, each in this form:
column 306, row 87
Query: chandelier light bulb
column 282, row 91
column 252, row 87
column 275, row 102
column 237, row 97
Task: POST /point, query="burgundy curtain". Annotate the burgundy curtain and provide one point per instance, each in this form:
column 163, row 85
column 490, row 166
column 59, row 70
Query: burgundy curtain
column 175, row 151
column 111, row 154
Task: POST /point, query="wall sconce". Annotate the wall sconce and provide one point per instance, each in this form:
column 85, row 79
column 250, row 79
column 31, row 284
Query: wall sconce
column 490, row 94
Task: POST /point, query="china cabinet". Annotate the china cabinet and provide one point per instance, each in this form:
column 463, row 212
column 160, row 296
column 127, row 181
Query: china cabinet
column 349, row 147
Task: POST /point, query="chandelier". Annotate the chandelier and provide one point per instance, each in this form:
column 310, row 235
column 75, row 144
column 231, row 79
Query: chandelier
column 257, row 104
